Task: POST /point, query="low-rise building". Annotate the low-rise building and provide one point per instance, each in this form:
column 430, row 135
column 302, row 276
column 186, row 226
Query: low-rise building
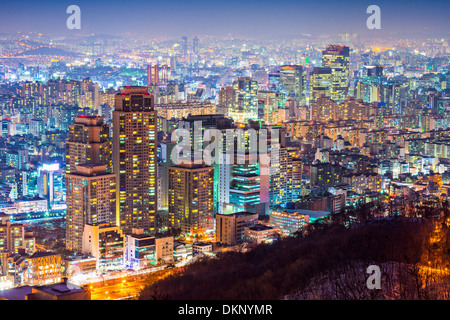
column 139, row 249
column 288, row 223
column 230, row 227
column 164, row 250
column 182, row 250
column 202, row 247
column 106, row 243
column 259, row 233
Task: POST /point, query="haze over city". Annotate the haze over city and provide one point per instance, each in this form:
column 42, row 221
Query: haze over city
column 258, row 19
column 224, row 150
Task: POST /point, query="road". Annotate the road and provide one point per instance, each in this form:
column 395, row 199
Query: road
column 125, row 287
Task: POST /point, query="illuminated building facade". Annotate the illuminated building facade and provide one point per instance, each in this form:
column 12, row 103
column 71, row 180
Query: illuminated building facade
column 245, row 105
column 91, row 199
column 88, row 142
column 286, row 177
column 139, row 249
column 13, row 238
column 43, row 268
column 337, row 58
column 50, row 184
column 320, row 84
column 191, row 198
column 324, row 109
column 106, row 243
column 288, row 223
column 269, row 102
column 291, row 77
column 135, row 159
column 230, row 227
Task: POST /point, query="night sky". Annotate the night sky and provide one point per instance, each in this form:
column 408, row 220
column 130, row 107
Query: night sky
column 249, row 18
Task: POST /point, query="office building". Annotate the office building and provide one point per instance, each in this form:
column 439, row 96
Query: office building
column 259, row 234
column 230, row 227
column 287, row 223
column 337, row 58
column 195, row 45
column 291, row 77
column 106, row 243
column 50, row 184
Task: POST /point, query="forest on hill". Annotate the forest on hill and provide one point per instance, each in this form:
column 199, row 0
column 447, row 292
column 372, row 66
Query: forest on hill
column 329, row 261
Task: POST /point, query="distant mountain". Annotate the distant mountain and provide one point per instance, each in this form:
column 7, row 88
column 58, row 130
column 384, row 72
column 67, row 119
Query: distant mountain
column 48, row 51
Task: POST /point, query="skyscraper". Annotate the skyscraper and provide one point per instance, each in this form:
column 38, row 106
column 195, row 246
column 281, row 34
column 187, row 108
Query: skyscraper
column 88, row 143
column 195, row 45
column 90, row 184
column 245, row 105
column 337, row 58
column 135, row 159
column 191, row 198
column 291, row 77
column 152, row 75
column 184, row 45
column 91, row 200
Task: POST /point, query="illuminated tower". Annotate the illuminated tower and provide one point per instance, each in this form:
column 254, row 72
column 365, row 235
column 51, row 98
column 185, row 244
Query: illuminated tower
column 245, row 106
column 320, row 84
column 184, row 45
column 291, row 77
column 91, row 199
column 195, row 45
column 337, row 58
column 152, row 75
column 191, row 198
column 135, row 159
column 88, row 142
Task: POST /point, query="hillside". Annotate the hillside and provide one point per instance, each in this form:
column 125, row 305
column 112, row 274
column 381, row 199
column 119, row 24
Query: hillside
column 292, row 267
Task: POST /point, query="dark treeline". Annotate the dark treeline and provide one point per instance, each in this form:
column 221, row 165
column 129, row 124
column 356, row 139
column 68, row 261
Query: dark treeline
column 288, row 266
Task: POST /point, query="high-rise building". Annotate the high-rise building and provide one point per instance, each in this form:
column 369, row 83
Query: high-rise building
column 191, row 198
column 157, row 74
column 245, row 105
column 286, row 176
column 337, row 58
column 91, row 199
column 152, row 75
column 320, row 84
column 291, row 77
column 50, row 184
column 184, row 45
column 88, row 142
column 269, row 104
column 222, row 170
column 164, row 162
column 195, row 45
column 135, row 159
column 324, row 109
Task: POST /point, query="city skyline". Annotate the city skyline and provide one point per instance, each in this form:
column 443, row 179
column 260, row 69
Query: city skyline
column 239, row 150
